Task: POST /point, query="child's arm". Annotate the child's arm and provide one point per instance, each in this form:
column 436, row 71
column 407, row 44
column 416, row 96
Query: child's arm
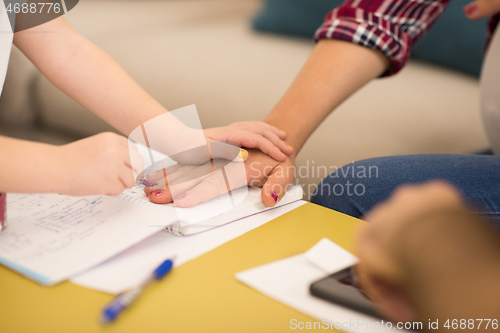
column 32, row 167
column 87, row 74
column 92, row 78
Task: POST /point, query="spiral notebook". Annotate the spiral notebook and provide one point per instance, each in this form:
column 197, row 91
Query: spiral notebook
column 215, row 212
column 52, row 237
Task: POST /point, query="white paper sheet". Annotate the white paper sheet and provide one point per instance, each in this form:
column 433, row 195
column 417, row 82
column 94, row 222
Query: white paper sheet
column 288, row 281
column 129, row 268
column 330, row 257
column 52, row 237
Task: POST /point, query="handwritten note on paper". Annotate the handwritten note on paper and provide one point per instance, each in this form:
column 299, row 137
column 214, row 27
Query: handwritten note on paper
column 52, row 237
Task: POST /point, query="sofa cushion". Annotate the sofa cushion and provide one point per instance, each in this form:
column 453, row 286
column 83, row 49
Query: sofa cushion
column 453, row 42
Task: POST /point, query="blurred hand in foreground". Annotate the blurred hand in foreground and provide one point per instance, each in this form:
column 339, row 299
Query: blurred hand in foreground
column 424, row 255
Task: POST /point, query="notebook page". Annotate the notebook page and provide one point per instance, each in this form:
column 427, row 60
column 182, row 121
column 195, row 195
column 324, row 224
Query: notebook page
column 250, row 204
column 52, row 237
column 131, row 267
column 210, row 214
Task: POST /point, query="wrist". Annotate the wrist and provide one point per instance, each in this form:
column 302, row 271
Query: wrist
column 57, row 169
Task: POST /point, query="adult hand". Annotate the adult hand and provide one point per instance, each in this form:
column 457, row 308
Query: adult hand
column 99, row 164
column 274, row 178
column 386, row 245
column 482, row 8
column 191, row 185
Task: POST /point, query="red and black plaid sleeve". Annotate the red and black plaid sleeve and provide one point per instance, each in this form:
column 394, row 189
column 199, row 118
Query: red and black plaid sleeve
column 390, row 26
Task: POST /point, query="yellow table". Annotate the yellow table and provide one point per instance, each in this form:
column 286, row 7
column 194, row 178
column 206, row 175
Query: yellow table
column 199, row 296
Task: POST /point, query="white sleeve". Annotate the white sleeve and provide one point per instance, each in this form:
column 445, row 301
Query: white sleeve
column 6, row 37
column 490, row 92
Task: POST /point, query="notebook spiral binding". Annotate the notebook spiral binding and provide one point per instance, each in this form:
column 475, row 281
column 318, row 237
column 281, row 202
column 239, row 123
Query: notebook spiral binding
column 173, row 228
column 132, row 199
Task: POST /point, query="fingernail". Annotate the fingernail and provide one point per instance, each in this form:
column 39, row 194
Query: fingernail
column 274, row 196
column 182, row 196
column 290, row 147
column 157, row 192
column 470, row 9
column 242, row 154
column 282, row 131
column 148, row 183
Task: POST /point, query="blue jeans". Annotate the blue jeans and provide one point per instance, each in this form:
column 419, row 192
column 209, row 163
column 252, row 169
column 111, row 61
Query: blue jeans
column 355, row 188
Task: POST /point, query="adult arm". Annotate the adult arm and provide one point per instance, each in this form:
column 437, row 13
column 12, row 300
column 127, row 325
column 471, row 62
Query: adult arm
column 87, row 74
column 357, row 42
column 96, row 165
column 335, row 70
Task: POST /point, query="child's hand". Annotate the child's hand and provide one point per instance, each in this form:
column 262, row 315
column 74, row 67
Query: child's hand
column 99, row 164
column 252, row 134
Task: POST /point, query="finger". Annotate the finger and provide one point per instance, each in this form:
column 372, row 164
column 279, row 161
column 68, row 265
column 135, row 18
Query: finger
column 252, row 140
column 390, row 298
column 278, row 142
column 177, row 183
column 226, row 151
column 211, row 187
column 251, row 126
column 160, row 174
column 379, row 276
column 281, row 134
column 159, row 184
column 249, row 139
column 160, row 196
column 126, row 177
column 188, row 174
column 280, row 179
column 481, row 8
column 270, row 133
column 181, row 186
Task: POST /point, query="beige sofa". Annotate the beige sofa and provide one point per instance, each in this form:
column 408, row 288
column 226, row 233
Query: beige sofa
column 203, row 52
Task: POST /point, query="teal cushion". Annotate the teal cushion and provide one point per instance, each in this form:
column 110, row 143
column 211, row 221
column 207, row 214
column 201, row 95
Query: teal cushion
column 454, row 41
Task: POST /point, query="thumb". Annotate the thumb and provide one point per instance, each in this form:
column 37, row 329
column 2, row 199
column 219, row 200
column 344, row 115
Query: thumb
column 226, row 151
column 481, row 8
column 276, row 186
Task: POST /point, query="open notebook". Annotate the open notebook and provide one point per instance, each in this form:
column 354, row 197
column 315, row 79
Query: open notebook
column 53, row 237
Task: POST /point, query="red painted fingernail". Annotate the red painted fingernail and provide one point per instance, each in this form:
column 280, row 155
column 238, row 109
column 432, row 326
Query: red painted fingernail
column 274, row 196
column 182, row 196
column 157, row 192
column 470, row 9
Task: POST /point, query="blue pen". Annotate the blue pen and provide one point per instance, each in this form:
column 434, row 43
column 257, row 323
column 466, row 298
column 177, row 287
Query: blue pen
column 122, row 301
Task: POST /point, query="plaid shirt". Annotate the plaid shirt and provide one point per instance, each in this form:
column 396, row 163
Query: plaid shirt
column 390, row 26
